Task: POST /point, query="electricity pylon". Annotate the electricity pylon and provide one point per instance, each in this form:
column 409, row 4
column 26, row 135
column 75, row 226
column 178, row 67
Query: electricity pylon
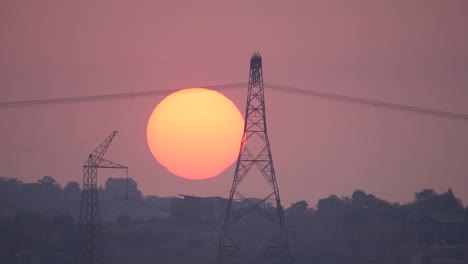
column 261, row 218
column 90, row 247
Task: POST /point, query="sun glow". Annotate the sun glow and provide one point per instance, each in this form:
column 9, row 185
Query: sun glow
column 195, row 133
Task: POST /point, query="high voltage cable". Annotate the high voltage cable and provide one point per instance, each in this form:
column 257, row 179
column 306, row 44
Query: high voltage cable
column 190, row 219
column 119, row 64
column 57, row 210
column 14, row 208
column 149, row 205
column 49, row 146
column 280, row 88
column 106, row 97
column 120, row 200
column 368, row 102
column 179, row 180
column 135, row 142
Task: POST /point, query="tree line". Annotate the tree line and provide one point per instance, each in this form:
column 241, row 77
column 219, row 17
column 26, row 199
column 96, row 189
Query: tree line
column 360, row 228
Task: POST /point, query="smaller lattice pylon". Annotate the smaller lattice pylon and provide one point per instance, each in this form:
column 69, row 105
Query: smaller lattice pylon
column 90, row 246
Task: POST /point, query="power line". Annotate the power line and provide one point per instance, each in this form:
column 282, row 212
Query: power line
column 35, row 148
column 280, row 88
column 107, row 97
column 14, row 207
column 122, row 199
column 352, row 187
column 139, row 202
column 55, row 211
column 162, row 177
column 191, row 219
column 119, row 64
column 135, row 142
column 368, row 102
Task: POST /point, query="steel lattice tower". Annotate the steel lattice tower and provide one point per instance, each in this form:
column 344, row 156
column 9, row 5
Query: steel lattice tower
column 90, row 222
column 261, row 219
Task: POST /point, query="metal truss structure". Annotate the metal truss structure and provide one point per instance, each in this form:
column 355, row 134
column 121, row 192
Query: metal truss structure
column 261, row 217
column 90, row 247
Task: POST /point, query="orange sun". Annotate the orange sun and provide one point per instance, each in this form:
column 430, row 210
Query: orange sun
column 195, row 133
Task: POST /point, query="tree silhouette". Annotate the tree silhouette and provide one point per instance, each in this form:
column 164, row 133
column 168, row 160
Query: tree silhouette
column 299, row 207
column 429, row 200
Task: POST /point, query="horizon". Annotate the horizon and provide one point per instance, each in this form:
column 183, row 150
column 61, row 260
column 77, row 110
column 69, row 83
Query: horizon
column 312, row 204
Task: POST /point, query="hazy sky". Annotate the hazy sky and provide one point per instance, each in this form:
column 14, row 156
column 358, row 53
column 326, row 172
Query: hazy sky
column 407, row 52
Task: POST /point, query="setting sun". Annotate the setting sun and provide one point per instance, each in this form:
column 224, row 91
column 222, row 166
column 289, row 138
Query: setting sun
column 195, row 133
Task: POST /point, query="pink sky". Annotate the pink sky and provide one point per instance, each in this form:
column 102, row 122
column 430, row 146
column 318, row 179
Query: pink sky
column 407, row 52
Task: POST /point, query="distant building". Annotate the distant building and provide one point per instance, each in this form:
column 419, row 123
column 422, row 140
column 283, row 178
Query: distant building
column 186, row 207
column 440, row 228
column 206, row 210
column 203, row 209
column 431, row 254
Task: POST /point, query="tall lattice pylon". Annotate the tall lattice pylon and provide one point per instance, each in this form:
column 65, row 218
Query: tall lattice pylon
column 90, row 247
column 254, row 229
